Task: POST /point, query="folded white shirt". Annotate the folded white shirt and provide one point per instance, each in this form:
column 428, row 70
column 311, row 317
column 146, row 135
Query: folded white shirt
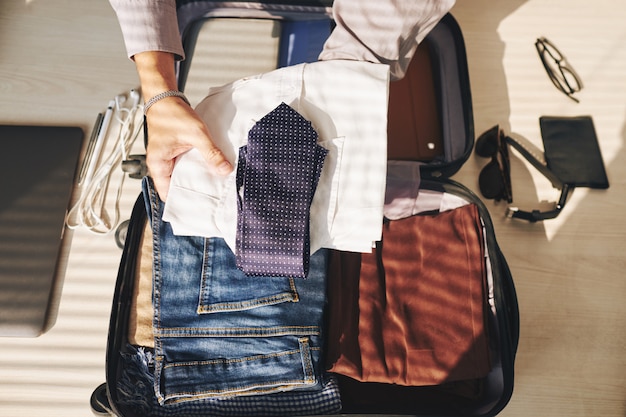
column 346, row 101
column 404, row 197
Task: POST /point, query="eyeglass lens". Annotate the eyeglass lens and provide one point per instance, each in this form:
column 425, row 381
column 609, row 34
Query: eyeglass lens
column 494, row 180
column 560, row 72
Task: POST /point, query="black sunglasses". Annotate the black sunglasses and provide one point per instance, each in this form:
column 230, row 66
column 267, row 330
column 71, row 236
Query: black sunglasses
column 560, row 72
column 494, row 180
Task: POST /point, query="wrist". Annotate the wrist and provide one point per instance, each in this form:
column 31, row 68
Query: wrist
column 163, row 95
column 156, row 72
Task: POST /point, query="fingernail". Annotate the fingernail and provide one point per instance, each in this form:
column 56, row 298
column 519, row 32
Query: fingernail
column 224, row 168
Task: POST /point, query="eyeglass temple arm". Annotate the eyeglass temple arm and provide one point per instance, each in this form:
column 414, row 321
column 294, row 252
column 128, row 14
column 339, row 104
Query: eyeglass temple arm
column 536, row 215
column 530, row 157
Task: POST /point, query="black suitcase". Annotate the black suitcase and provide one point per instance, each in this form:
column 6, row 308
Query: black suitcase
column 439, row 151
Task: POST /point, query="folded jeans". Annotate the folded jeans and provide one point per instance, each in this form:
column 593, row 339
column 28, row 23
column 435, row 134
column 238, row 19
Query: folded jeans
column 135, row 392
column 221, row 333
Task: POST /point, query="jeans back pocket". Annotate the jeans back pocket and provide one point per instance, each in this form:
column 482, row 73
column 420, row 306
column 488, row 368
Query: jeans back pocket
column 225, row 288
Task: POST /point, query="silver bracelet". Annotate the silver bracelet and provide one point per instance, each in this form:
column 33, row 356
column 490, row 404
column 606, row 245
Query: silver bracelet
column 169, row 93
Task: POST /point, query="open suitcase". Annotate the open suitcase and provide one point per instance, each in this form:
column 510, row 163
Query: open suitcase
column 428, row 153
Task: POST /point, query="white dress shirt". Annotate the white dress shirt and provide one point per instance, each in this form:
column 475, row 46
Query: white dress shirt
column 346, row 101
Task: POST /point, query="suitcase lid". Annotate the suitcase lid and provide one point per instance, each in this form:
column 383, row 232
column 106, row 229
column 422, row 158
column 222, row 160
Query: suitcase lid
column 430, row 109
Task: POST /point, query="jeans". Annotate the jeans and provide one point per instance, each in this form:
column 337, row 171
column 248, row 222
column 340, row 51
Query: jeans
column 135, row 396
column 220, row 333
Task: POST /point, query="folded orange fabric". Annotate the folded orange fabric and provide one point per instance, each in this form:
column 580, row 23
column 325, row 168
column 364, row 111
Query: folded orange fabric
column 413, row 312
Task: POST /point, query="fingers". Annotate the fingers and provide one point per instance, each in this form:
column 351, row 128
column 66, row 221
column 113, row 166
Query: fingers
column 162, row 186
column 161, row 168
column 173, row 129
column 218, row 164
column 161, row 173
column 200, row 138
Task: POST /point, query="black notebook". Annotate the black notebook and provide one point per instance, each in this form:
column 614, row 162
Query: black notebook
column 37, row 171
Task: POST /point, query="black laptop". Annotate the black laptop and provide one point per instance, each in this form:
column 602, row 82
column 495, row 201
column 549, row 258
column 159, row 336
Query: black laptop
column 37, row 170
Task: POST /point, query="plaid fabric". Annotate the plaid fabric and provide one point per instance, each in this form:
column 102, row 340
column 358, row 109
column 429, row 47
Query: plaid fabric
column 135, row 392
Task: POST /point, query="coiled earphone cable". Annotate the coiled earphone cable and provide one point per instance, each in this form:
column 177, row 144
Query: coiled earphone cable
column 90, row 211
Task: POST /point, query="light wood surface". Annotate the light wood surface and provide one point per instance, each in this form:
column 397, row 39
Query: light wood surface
column 62, row 61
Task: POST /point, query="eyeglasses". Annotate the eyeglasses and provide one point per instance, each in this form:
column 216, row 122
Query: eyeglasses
column 560, row 72
column 494, row 180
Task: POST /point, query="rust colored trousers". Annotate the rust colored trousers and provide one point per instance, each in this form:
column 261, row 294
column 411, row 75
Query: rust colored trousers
column 413, row 312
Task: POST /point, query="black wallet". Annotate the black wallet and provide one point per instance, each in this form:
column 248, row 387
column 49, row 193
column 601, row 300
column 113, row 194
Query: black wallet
column 572, row 151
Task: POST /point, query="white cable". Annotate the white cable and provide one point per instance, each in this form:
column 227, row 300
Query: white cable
column 90, row 210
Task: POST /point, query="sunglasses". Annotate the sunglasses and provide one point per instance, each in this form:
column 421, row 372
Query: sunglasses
column 494, row 180
column 560, row 72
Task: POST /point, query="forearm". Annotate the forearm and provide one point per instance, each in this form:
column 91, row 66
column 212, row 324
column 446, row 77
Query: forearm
column 156, row 72
column 150, row 29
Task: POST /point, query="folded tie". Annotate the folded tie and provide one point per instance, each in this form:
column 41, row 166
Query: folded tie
column 277, row 175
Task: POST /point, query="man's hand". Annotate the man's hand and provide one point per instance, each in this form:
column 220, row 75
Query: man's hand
column 173, row 126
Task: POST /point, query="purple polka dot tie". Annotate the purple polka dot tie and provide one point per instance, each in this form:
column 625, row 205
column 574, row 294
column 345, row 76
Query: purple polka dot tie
column 277, row 175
